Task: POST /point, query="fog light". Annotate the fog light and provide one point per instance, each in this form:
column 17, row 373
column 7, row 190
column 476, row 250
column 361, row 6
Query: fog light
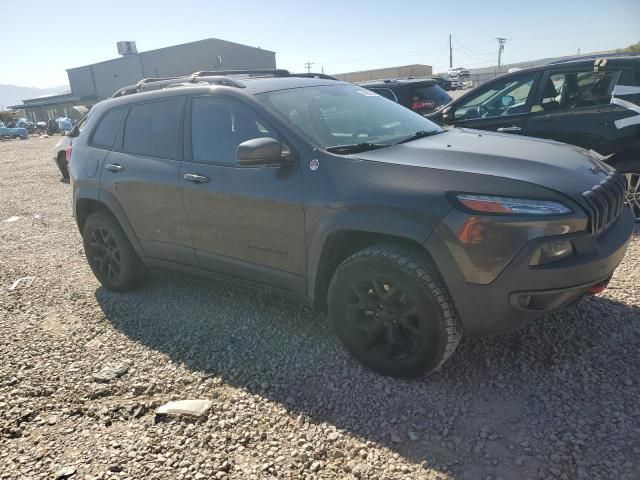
column 551, row 252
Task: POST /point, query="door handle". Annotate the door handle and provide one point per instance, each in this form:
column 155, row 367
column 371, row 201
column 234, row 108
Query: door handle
column 512, row 128
column 114, row 167
column 196, row 178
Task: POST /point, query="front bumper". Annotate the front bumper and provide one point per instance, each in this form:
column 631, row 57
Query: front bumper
column 522, row 292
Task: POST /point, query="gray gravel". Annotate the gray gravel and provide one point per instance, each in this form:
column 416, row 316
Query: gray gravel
column 557, row 399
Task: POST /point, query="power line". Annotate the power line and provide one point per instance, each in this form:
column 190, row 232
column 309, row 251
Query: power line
column 469, row 49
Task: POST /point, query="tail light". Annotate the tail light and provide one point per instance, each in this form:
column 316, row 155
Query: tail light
column 598, row 287
column 68, row 153
column 422, row 104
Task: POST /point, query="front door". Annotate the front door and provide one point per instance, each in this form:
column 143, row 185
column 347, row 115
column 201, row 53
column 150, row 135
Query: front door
column 501, row 105
column 143, row 173
column 574, row 106
column 247, row 222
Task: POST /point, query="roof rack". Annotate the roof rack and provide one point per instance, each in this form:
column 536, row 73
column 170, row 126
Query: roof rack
column 268, row 72
column 217, row 77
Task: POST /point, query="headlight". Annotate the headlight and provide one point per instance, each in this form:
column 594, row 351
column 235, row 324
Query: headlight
column 511, row 206
column 551, row 252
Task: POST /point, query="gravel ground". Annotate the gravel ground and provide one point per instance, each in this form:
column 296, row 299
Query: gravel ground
column 557, row 399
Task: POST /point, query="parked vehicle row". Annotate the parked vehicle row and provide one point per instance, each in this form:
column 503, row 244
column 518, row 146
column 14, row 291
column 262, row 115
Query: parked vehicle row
column 12, row 132
column 408, row 233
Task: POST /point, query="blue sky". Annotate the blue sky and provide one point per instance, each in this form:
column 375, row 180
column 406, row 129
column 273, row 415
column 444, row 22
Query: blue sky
column 42, row 38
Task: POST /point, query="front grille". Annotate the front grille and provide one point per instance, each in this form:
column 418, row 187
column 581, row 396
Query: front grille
column 605, row 201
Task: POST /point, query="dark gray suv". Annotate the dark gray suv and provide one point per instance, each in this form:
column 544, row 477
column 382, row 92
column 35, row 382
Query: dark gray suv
column 408, row 233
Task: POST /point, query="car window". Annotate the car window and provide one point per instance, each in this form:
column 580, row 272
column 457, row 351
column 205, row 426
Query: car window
column 570, row 90
column 385, row 92
column 504, row 97
column 152, row 129
column 434, row 92
column 105, row 133
column 219, row 125
column 340, row 114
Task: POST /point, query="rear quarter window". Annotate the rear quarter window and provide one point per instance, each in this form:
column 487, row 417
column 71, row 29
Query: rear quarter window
column 105, row 133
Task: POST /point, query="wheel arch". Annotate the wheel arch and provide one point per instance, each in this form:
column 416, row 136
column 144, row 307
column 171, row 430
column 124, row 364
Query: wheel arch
column 337, row 247
column 86, row 205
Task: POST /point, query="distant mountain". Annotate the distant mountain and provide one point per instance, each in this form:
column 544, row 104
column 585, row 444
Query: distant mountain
column 13, row 95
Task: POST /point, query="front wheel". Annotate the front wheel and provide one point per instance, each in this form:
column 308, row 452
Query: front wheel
column 631, row 170
column 392, row 311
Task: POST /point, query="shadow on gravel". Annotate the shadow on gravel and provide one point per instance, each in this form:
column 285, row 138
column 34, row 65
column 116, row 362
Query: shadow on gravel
column 495, row 396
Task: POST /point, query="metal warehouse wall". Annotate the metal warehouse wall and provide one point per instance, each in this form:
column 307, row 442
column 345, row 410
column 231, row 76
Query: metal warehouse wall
column 81, row 81
column 101, row 80
column 203, row 55
column 384, row 73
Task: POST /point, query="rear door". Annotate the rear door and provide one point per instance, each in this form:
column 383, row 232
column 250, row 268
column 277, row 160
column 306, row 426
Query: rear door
column 143, row 173
column 502, row 105
column 246, row 222
column 574, row 106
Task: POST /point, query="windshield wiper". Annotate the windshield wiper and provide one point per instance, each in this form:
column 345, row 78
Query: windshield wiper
column 418, row 134
column 355, row 147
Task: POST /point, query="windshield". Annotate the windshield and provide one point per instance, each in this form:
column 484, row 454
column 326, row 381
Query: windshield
column 340, row 114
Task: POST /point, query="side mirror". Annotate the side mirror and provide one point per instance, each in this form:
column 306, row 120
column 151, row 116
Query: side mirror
column 507, row 101
column 447, row 114
column 260, row 151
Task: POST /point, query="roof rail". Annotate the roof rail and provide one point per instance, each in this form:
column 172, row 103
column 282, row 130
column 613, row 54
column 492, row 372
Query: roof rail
column 322, row 76
column 147, row 84
column 217, row 77
column 274, row 72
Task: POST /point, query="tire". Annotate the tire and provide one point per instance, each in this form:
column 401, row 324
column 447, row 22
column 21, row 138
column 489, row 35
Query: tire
column 631, row 170
column 63, row 166
column 392, row 312
column 111, row 257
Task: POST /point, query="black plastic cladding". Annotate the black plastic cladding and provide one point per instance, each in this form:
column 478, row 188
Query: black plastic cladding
column 606, row 201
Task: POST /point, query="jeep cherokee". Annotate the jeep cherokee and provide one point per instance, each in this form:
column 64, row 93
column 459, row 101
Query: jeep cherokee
column 408, row 233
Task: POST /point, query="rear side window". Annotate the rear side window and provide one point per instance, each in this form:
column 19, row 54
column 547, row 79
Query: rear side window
column 105, row 133
column 385, row 92
column 435, row 93
column 153, row 129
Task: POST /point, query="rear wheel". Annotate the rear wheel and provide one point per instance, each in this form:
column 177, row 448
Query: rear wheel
column 111, row 257
column 391, row 310
column 631, row 170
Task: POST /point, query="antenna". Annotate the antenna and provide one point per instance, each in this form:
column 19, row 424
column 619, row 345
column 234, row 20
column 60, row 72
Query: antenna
column 501, row 42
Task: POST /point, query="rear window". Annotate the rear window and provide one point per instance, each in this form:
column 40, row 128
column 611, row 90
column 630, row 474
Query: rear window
column 152, row 129
column 435, row 93
column 105, row 133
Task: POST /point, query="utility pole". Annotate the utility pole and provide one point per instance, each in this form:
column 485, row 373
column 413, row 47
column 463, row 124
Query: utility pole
column 308, row 66
column 450, row 53
column 501, row 42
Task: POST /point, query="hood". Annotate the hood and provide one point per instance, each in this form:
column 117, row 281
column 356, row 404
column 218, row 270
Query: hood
column 557, row 166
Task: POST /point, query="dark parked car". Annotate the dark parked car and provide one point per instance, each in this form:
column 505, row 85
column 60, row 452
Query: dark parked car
column 570, row 102
column 407, row 232
column 420, row 95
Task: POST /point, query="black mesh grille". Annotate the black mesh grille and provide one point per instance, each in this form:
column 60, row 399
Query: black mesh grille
column 606, row 201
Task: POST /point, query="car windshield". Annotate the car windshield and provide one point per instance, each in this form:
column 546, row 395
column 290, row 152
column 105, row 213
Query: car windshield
column 340, row 114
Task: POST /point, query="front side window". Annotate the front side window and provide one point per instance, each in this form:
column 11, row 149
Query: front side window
column 219, row 125
column 105, row 133
column 334, row 115
column 570, row 90
column 153, row 129
column 501, row 98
